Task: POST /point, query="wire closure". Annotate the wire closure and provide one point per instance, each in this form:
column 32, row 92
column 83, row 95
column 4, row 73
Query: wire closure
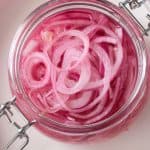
column 134, row 4
column 5, row 110
column 21, row 135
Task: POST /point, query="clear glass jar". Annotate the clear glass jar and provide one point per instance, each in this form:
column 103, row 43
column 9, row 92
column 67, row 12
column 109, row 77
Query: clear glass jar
column 103, row 128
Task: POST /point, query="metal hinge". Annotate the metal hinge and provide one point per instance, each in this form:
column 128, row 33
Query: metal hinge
column 133, row 5
column 6, row 110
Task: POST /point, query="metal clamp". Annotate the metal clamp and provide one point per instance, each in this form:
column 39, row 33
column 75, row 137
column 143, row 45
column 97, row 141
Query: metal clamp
column 5, row 110
column 134, row 3
column 21, row 135
column 130, row 5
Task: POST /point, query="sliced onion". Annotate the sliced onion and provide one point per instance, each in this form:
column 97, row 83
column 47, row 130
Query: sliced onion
column 93, row 113
column 108, row 108
column 79, row 66
column 32, row 46
column 81, row 101
column 74, row 22
column 107, row 75
column 30, row 62
column 80, row 35
column 82, row 82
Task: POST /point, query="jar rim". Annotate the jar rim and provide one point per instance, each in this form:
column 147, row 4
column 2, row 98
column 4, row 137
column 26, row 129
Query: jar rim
column 104, row 7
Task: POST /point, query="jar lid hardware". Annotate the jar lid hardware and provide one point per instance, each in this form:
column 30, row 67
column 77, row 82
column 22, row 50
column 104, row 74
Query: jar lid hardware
column 5, row 110
column 135, row 3
column 130, row 5
column 21, row 135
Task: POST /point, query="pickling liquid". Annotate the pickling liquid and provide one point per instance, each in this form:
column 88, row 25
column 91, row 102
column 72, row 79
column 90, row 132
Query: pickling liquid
column 78, row 67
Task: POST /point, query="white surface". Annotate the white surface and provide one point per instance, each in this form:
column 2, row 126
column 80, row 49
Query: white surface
column 137, row 137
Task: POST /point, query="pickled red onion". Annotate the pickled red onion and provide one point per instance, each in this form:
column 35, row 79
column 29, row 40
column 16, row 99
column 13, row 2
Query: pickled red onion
column 33, row 60
column 78, row 66
column 73, row 33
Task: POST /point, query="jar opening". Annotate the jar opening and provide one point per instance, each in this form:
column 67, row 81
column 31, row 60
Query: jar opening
column 134, row 46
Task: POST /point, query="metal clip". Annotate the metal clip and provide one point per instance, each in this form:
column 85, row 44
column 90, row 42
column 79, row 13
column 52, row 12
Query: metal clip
column 5, row 110
column 130, row 5
column 21, row 135
column 135, row 3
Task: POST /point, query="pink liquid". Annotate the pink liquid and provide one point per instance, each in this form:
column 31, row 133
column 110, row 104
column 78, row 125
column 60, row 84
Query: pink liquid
column 78, row 67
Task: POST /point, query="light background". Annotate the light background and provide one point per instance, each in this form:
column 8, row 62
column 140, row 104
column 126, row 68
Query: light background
column 137, row 137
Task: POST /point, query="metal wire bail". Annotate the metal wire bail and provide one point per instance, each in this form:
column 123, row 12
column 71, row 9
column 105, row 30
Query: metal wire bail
column 5, row 110
column 129, row 5
column 135, row 3
column 20, row 135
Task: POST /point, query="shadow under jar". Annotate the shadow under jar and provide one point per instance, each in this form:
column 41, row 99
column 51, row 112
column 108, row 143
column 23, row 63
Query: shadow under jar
column 64, row 44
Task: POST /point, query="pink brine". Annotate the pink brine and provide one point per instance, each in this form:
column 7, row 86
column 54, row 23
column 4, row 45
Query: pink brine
column 78, row 67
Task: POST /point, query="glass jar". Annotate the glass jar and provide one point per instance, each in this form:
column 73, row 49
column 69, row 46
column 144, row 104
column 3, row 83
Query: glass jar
column 80, row 133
